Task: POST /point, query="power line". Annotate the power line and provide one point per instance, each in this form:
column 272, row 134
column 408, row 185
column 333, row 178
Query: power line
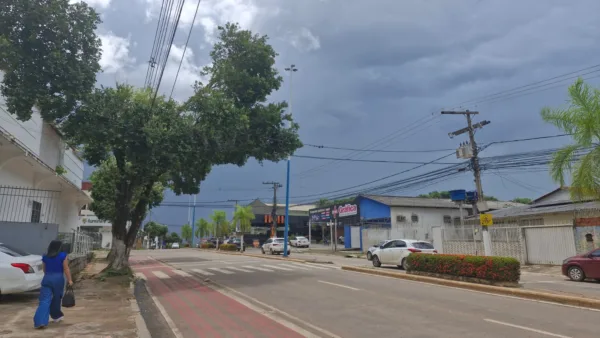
column 377, row 150
column 369, row 161
column 185, row 48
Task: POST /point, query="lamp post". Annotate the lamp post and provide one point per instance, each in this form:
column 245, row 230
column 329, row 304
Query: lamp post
column 291, row 69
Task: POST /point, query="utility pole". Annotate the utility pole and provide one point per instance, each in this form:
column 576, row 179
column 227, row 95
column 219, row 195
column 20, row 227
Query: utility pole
column 291, row 69
column 193, row 221
column 237, row 227
column 487, row 243
column 275, row 185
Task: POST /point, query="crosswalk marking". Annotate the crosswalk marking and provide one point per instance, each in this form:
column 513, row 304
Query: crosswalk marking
column 222, row 271
column 160, row 274
column 320, row 266
column 140, row 275
column 295, row 266
column 311, row 266
column 258, row 268
column 182, row 273
column 278, row 267
column 238, row 269
column 202, row 272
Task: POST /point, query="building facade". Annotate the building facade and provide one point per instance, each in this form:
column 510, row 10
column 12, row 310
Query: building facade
column 261, row 225
column 40, row 179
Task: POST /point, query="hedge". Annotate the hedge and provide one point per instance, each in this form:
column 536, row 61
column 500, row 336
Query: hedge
column 493, row 268
column 207, row 246
column 228, row 247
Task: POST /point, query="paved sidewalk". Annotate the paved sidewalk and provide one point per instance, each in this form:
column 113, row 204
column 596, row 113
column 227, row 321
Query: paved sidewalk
column 103, row 310
column 199, row 311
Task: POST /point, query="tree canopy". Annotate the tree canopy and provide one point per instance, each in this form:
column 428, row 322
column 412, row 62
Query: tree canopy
column 324, row 202
column 186, row 233
column 220, row 223
column 581, row 119
column 243, row 216
column 49, row 53
column 523, row 200
column 203, row 228
column 153, row 229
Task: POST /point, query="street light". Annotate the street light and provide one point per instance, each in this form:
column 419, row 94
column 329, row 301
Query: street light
column 291, row 69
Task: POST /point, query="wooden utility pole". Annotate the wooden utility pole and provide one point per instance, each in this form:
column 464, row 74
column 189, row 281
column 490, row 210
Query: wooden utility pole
column 275, row 185
column 475, row 166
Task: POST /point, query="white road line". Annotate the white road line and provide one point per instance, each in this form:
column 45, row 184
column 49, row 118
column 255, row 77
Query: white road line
column 340, row 285
column 294, row 266
column 323, row 266
column 309, row 266
column 526, row 328
column 277, row 267
column 161, row 274
column 140, row 275
column 182, row 273
column 222, row 271
column 165, row 314
column 202, row 272
column 258, row 268
column 238, row 269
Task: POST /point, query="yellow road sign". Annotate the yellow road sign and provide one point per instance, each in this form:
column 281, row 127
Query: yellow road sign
column 486, row 220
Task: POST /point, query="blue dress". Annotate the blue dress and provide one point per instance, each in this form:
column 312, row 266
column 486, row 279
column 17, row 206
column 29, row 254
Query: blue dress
column 51, row 292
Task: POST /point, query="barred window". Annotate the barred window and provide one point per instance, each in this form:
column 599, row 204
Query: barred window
column 414, row 218
column 447, row 219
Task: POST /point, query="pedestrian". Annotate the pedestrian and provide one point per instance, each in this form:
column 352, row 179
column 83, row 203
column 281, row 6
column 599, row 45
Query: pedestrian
column 56, row 267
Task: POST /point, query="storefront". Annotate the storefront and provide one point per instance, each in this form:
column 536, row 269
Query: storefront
column 345, row 219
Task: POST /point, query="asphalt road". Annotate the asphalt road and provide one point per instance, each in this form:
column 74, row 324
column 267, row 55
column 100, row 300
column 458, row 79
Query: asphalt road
column 327, row 301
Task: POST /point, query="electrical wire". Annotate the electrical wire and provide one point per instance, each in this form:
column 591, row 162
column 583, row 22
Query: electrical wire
column 369, row 161
column 185, row 49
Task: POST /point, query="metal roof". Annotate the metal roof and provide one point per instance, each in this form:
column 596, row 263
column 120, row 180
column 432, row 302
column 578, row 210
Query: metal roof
column 401, row 201
column 531, row 210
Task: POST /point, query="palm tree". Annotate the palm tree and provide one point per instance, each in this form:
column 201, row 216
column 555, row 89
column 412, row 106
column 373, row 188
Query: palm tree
column 220, row 224
column 186, row 233
column 244, row 216
column 581, row 119
column 202, row 228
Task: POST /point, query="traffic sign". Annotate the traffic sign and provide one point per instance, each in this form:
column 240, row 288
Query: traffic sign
column 486, row 220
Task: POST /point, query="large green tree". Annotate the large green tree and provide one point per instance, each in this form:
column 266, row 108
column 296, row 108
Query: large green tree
column 49, row 53
column 153, row 229
column 243, row 216
column 581, row 119
column 203, row 228
column 220, row 223
column 155, row 140
column 186, row 233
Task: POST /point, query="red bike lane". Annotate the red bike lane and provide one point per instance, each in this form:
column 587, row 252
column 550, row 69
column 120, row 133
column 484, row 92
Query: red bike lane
column 199, row 311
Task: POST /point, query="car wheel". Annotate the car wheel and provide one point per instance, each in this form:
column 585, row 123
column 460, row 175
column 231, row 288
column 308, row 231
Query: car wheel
column 271, row 251
column 289, row 253
column 376, row 262
column 404, row 264
column 369, row 256
column 576, row 274
column 262, row 250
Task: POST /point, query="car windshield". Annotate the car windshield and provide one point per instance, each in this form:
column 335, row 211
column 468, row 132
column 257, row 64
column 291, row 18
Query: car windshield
column 299, row 237
column 278, row 240
column 9, row 250
column 422, row 245
column 381, row 243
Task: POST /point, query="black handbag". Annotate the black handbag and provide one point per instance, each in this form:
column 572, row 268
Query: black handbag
column 69, row 297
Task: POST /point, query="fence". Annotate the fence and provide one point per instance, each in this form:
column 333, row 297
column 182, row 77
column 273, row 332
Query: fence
column 27, row 205
column 80, row 243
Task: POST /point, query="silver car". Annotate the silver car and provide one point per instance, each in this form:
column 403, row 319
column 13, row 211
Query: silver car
column 375, row 247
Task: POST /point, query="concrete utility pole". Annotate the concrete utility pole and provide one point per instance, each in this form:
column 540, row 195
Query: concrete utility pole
column 487, row 243
column 237, row 227
column 275, row 185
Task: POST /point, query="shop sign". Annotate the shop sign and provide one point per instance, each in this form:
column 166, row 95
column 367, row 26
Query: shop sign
column 345, row 210
column 319, row 215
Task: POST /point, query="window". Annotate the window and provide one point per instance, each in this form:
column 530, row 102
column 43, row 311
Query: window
column 423, row 245
column 589, row 238
column 414, row 218
column 389, row 244
column 400, row 244
column 447, row 219
column 9, row 250
column 595, row 254
column 36, row 211
column 278, row 240
column 270, row 240
column 400, row 218
column 456, row 220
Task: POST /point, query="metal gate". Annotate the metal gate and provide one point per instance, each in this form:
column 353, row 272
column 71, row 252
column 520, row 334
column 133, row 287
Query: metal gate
column 355, row 235
column 549, row 245
column 438, row 239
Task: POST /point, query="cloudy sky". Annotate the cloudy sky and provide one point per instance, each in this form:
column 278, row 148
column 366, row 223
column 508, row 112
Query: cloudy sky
column 378, row 71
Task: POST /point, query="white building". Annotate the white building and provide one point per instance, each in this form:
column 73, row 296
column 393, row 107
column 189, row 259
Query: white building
column 40, row 176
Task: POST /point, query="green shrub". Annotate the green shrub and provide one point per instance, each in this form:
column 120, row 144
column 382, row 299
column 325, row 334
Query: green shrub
column 228, row 247
column 493, row 268
column 207, row 245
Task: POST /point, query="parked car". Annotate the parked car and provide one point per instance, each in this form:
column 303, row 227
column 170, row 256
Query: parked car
column 375, row 247
column 394, row 252
column 175, row 245
column 19, row 270
column 580, row 267
column 273, row 246
column 300, row 242
column 235, row 241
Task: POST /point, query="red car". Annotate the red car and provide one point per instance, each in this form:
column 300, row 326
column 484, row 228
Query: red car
column 580, row 267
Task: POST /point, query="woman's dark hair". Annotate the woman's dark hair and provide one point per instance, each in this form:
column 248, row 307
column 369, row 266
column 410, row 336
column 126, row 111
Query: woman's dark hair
column 54, row 248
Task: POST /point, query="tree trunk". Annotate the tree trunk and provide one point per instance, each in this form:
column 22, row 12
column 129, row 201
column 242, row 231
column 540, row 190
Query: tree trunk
column 119, row 255
column 243, row 246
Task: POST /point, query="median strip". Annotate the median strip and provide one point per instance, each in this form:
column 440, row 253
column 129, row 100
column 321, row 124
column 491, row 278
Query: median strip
column 528, row 294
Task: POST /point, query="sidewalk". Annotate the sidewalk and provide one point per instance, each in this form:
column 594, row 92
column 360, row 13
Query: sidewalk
column 103, row 310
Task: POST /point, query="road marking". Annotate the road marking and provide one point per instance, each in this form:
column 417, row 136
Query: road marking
column 164, row 313
column 161, row 274
column 310, row 266
column 277, row 267
column 182, row 273
column 340, row 285
column 202, row 272
column 295, row 266
column 140, row 275
column 526, row 328
column 238, row 269
column 258, row 268
column 321, row 266
column 222, row 271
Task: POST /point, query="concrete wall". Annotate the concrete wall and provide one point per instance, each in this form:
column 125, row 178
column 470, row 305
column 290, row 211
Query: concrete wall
column 78, row 264
column 582, row 245
column 422, row 228
column 31, row 237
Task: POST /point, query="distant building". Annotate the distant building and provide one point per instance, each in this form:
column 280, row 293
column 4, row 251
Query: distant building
column 298, row 219
column 100, row 230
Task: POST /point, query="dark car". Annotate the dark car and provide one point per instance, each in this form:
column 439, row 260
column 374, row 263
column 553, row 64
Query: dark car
column 580, row 267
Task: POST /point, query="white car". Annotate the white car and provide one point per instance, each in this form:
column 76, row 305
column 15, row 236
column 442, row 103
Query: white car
column 300, row 242
column 375, row 247
column 19, row 271
column 175, row 245
column 273, row 246
column 394, row 252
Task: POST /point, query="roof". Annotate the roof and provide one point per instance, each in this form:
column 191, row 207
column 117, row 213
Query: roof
column 530, row 210
column 297, row 207
column 402, row 201
column 548, row 194
column 495, row 205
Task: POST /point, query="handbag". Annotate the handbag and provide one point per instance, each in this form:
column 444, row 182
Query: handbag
column 69, row 297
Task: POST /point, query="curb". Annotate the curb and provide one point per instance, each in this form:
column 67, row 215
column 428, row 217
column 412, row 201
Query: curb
column 140, row 323
column 253, row 255
column 528, row 294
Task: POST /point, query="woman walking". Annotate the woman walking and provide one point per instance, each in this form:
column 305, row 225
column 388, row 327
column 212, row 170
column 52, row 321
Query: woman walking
column 56, row 267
